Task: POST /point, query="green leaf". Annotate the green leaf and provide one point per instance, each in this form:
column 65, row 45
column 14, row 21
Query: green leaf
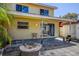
column 6, row 21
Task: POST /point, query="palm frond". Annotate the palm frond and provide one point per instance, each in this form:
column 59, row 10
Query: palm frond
column 3, row 17
column 6, row 21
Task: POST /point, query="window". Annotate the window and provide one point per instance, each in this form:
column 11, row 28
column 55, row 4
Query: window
column 44, row 12
column 25, row 9
column 21, row 8
column 41, row 11
column 22, row 25
column 18, row 8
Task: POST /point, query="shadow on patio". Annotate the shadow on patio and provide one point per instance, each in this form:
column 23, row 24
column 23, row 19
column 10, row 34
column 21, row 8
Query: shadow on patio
column 50, row 47
column 48, row 44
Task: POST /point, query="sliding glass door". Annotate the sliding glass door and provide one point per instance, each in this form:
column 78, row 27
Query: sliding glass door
column 49, row 29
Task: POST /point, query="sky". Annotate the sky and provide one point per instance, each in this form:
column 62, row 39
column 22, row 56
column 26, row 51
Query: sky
column 64, row 8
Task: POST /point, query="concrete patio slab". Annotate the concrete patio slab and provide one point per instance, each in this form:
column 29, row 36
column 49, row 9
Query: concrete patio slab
column 64, row 51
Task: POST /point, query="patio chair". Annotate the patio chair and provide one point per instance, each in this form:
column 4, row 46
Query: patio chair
column 34, row 35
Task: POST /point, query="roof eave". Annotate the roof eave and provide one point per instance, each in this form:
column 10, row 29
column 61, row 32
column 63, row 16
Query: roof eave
column 53, row 7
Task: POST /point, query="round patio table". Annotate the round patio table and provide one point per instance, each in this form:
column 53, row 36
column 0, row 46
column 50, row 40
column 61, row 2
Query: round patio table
column 30, row 50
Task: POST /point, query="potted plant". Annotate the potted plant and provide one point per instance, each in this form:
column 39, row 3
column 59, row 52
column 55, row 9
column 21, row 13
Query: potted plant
column 68, row 38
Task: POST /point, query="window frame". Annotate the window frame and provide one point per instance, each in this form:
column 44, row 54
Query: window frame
column 22, row 7
column 27, row 9
column 18, row 7
column 22, row 25
column 43, row 12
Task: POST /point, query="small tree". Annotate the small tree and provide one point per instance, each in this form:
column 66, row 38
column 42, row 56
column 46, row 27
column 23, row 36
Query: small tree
column 70, row 16
column 5, row 22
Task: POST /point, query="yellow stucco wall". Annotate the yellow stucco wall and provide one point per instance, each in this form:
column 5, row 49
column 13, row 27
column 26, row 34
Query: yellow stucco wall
column 34, row 23
column 37, row 7
column 33, row 9
column 34, row 27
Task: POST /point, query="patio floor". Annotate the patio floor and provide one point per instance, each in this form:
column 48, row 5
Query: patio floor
column 64, row 51
column 55, row 49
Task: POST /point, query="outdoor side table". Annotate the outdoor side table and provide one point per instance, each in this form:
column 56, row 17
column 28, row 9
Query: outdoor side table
column 30, row 50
